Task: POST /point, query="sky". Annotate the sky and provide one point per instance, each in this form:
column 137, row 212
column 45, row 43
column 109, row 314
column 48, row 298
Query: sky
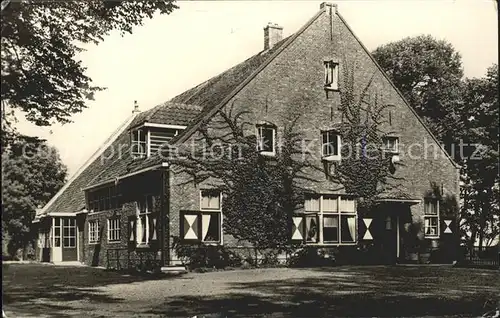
column 172, row 53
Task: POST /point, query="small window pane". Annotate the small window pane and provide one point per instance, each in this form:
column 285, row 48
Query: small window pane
column 347, row 205
column 330, row 228
column 330, row 204
column 265, row 138
column 430, row 206
column 391, row 144
column 210, row 227
column 311, row 205
column 149, row 199
column 348, row 228
column 210, row 200
column 312, row 230
column 330, row 146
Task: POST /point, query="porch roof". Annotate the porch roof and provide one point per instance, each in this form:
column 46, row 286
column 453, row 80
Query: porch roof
column 396, row 195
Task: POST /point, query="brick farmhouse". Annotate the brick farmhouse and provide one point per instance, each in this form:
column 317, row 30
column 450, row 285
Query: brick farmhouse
column 128, row 204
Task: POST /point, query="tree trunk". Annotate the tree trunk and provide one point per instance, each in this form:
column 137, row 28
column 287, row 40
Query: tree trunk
column 256, row 256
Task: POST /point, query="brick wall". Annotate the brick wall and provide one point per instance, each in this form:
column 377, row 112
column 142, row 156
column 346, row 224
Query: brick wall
column 292, row 85
column 96, row 254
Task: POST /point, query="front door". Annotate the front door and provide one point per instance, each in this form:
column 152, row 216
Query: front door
column 56, row 253
column 69, row 249
column 385, row 237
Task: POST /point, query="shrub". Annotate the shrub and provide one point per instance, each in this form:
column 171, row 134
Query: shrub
column 269, row 259
column 206, row 256
column 310, row 256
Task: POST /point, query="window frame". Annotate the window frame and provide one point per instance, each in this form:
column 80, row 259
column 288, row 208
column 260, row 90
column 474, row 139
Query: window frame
column 205, row 211
column 331, row 75
column 114, row 234
column 147, row 214
column 260, row 142
column 320, row 215
column 57, row 238
column 333, row 157
column 388, row 150
column 94, row 234
column 71, row 226
column 103, row 199
column 140, row 148
column 430, row 216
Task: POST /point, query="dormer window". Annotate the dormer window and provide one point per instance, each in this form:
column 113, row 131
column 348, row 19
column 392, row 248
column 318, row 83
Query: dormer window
column 139, row 143
column 266, row 139
column 391, row 144
column 149, row 139
column 330, row 146
column 331, row 75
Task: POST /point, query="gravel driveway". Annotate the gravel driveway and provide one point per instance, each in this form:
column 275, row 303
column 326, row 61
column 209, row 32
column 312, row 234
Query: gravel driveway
column 33, row 290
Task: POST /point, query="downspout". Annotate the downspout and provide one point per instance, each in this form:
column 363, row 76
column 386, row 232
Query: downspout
column 165, row 218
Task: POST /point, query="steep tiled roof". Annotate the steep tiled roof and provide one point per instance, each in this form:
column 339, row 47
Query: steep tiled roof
column 205, row 96
column 395, row 195
column 71, row 198
column 110, row 162
column 184, row 110
column 213, row 91
column 169, row 113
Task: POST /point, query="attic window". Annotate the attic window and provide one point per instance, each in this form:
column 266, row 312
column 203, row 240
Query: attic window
column 330, row 146
column 139, row 143
column 391, row 144
column 331, row 75
column 266, row 139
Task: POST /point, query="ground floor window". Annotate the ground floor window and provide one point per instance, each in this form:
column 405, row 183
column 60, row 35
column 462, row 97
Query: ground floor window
column 211, row 207
column 143, row 227
column 114, row 229
column 44, row 238
column 201, row 226
column 69, row 232
column 94, row 231
column 431, row 217
column 327, row 219
column 204, row 225
column 57, row 232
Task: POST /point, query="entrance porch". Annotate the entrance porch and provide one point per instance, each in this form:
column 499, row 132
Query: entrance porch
column 58, row 239
column 391, row 230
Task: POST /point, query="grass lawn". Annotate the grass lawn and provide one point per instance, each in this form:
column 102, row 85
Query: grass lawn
column 35, row 290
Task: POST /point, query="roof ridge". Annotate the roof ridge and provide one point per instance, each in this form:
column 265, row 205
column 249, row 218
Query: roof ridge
column 185, row 105
column 87, row 163
column 210, row 112
column 397, row 90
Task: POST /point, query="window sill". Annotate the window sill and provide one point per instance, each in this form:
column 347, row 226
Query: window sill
column 139, row 157
column 433, row 237
column 94, row 243
column 331, row 244
column 114, row 242
column 140, row 246
column 331, row 158
column 391, row 152
column 267, row 153
column 212, row 243
column 331, row 89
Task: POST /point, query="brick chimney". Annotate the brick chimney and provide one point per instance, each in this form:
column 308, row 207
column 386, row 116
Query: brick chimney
column 273, row 33
column 328, row 7
column 136, row 108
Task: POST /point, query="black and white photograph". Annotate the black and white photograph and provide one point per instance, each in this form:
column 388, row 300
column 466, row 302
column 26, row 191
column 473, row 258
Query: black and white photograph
column 216, row 159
